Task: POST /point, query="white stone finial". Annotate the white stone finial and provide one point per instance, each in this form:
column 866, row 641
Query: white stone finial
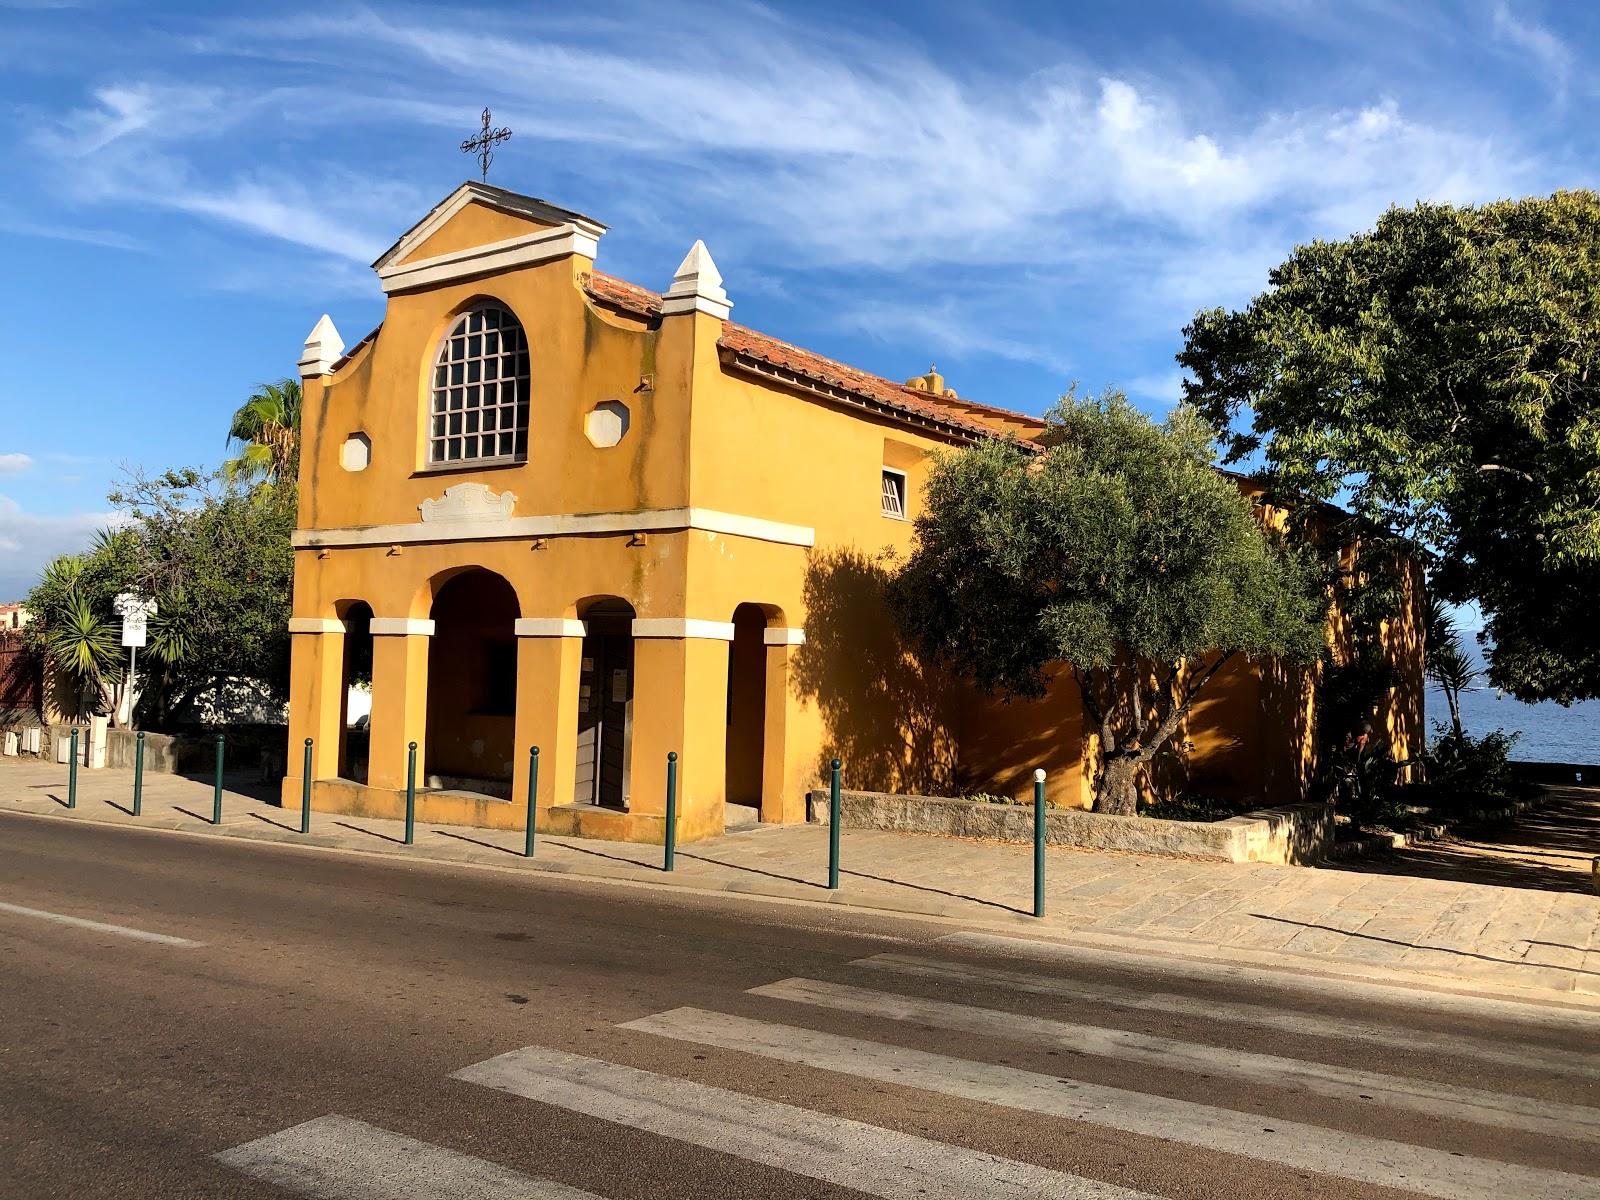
column 697, row 286
column 324, row 347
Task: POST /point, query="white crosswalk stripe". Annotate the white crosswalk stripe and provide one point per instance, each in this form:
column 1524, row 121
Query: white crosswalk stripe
column 336, row 1158
column 1261, row 1016
column 1361, row 1087
column 874, row 1161
column 1391, row 995
column 1293, row 1144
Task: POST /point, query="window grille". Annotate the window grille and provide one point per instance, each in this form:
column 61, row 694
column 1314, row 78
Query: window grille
column 894, row 494
column 479, row 409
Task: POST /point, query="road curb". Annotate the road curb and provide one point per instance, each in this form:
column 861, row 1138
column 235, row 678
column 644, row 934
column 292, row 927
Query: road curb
column 1572, row 998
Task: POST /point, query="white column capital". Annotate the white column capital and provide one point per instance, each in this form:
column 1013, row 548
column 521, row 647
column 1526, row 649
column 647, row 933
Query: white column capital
column 779, row 635
column 316, row 625
column 401, row 626
column 550, row 627
column 682, row 627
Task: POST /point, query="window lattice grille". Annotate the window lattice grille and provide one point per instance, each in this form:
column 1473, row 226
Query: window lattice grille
column 894, row 498
column 479, row 410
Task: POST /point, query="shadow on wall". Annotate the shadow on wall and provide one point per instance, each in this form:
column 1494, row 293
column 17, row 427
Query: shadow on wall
column 888, row 718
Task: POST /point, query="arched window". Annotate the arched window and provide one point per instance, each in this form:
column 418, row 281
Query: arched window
column 479, row 410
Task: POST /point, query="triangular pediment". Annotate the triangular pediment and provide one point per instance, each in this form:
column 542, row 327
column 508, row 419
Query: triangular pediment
column 477, row 214
column 479, row 229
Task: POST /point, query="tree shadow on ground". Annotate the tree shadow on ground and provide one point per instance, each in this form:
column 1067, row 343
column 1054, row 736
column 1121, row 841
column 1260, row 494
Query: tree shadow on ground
column 1549, row 849
column 1389, row 941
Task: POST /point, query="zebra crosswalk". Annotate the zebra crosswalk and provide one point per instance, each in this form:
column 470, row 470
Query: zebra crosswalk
column 1463, row 1155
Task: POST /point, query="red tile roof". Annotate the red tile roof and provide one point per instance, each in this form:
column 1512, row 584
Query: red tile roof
column 622, row 295
column 771, row 358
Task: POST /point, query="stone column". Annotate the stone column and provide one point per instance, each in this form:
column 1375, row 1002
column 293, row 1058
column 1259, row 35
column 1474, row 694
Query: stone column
column 779, row 802
column 399, row 698
column 680, row 702
column 316, row 701
column 549, row 658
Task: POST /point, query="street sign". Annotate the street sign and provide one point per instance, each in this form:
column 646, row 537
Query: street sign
column 136, row 612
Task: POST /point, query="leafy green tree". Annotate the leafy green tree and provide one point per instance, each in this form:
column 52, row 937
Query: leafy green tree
column 1119, row 552
column 266, row 431
column 1437, row 375
column 217, row 560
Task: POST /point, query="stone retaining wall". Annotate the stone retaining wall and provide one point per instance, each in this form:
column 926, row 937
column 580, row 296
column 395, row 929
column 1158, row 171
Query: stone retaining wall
column 1296, row 833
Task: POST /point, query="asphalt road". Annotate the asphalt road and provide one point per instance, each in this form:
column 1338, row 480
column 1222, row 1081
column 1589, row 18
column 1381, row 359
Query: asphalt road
column 339, row 1026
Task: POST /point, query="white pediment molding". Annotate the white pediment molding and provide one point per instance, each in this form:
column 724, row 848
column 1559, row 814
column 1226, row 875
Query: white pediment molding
column 658, row 520
column 473, row 192
column 469, row 502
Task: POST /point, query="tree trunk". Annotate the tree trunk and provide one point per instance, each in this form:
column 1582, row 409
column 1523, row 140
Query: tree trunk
column 1455, row 711
column 1118, row 793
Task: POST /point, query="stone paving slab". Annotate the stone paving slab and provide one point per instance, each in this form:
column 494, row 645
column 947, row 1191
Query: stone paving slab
column 1479, row 935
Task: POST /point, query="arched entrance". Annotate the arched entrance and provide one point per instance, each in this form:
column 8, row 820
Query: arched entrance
column 605, row 705
column 355, row 692
column 472, row 685
column 747, row 709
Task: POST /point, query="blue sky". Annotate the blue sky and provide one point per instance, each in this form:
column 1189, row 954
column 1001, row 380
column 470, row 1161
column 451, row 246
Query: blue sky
column 1025, row 194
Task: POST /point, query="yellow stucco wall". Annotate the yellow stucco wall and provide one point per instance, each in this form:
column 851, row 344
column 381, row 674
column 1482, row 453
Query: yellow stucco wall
column 702, row 437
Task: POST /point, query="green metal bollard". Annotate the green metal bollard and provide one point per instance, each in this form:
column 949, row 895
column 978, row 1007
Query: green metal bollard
column 305, row 791
column 216, row 792
column 411, row 793
column 1038, row 842
column 833, row 828
column 533, row 799
column 138, row 772
column 72, row 772
column 672, row 809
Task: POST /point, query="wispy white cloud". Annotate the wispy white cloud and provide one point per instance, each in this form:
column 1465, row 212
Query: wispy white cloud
column 1548, row 56
column 1163, row 388
column 968, row 205
column 146, row 144
column 941, row 327
column 14, row 464
column 30, row 540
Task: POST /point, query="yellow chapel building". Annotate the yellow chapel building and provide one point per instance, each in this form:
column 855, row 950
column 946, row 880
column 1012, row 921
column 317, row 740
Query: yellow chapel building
column 550, row 508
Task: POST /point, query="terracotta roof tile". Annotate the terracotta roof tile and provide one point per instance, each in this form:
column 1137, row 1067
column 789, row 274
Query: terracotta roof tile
column 741, row 342
column 620, row 294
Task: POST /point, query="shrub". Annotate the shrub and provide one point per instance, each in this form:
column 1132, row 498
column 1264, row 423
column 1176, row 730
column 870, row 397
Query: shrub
column 1362, row 781
column 1190, row 807
column 1468, row 776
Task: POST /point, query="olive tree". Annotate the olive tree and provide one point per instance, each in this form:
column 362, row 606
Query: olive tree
column 1117, row 551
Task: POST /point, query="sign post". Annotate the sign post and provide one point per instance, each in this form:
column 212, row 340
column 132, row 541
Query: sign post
column 135, row 612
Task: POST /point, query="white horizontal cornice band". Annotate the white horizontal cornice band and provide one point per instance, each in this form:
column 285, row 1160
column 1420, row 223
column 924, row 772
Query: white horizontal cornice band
column 707, row 520
column 783, row 636
column 550, row 627
column 682, row 627
column 521, row 251
column 401, row 626
column 315, row 625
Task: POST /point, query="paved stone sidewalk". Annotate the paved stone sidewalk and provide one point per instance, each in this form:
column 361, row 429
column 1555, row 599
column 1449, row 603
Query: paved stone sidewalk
column 1385, row 926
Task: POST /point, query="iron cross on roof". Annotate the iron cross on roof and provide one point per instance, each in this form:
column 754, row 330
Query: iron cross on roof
column 484, row 143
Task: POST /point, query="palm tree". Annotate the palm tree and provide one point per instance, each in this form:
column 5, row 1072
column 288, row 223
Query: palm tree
column 1447, row 663
column 266, row 428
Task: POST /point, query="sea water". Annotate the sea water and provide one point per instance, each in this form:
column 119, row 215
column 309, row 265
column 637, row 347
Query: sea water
column 1550, row 733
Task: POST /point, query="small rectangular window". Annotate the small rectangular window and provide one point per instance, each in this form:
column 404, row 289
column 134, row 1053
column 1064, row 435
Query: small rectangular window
column 894, row 493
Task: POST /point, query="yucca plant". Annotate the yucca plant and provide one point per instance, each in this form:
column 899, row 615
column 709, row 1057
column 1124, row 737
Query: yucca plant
column 84, row 644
